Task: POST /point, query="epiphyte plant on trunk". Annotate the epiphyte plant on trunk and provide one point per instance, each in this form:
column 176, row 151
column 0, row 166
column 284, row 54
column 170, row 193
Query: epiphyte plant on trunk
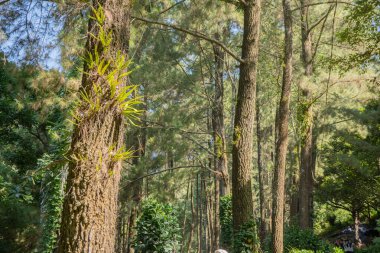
column 106, row 101
column 100, row 65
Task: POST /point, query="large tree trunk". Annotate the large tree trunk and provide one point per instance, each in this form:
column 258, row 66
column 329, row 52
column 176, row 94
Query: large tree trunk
column 282, row 140
column 90, row 205
column 219, row 140
column 242, row 199
column 306, row 177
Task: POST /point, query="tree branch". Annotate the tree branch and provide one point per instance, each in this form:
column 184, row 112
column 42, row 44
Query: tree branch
column 193, row 33
column 338, row 205
column 4, row 2
column 320, row 20
column 171, row 7
column 329, row 2
column 161, row 171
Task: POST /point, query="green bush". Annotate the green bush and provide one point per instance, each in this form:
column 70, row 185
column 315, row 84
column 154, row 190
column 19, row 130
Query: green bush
column 334, row 250
column 226, row 221
column 305, row 241
column 157, row 228
column 246, row 239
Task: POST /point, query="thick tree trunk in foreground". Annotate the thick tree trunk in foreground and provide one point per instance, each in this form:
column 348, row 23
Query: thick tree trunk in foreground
column 282, row 141
column 220, row 161
column 306, row 165
column 90, row 205
column 242, row 199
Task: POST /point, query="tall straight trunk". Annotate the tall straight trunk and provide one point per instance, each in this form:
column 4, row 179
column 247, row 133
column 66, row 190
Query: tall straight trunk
column 211, row 218
column 90, row 206
column 295, row 185
column 282, row 140
column 306, row 175
column 218, row 122
column 136, row 197
column 139, row 143
column 193, row 218
column 219, row 140
column 208, row 235
column 185, row 218
column 355, row 216
column 242, row 198
column 260, row 167
column 306, row 161
column 131, row 228
column 199, row 212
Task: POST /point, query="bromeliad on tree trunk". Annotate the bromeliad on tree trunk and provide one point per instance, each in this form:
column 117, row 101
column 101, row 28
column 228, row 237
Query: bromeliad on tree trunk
column 97, row 148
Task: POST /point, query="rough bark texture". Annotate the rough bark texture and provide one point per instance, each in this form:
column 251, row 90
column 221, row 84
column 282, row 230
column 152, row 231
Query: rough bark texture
column 306, row 163
column 242, row 199
column 90, row 205
column 282, row 141
column 220, row 161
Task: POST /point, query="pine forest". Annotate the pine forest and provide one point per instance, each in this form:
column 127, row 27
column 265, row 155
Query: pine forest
column 189, row 126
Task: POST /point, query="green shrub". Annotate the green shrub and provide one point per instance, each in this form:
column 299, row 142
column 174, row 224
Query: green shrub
column 246, row 240
column 226, row 221
column 334, row 250
column 301, row 251
column 157, row 228
column 305, row 241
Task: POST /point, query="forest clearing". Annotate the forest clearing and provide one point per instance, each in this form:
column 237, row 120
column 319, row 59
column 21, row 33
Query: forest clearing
column 190, row 126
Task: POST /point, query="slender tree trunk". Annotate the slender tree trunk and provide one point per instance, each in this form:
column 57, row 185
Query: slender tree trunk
column 185, row 218
column 131, row 228
column 355, row 216
column 219, row 140
column 294, row 199
column 193, row 219
column 139, row 143
column 282, row 141
column 218, row 122
column 208, row 220
column 211, row 217
column 263, row 225
column 90, row 206
column 242, row 198
column 199, row 211
column 306, row 179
